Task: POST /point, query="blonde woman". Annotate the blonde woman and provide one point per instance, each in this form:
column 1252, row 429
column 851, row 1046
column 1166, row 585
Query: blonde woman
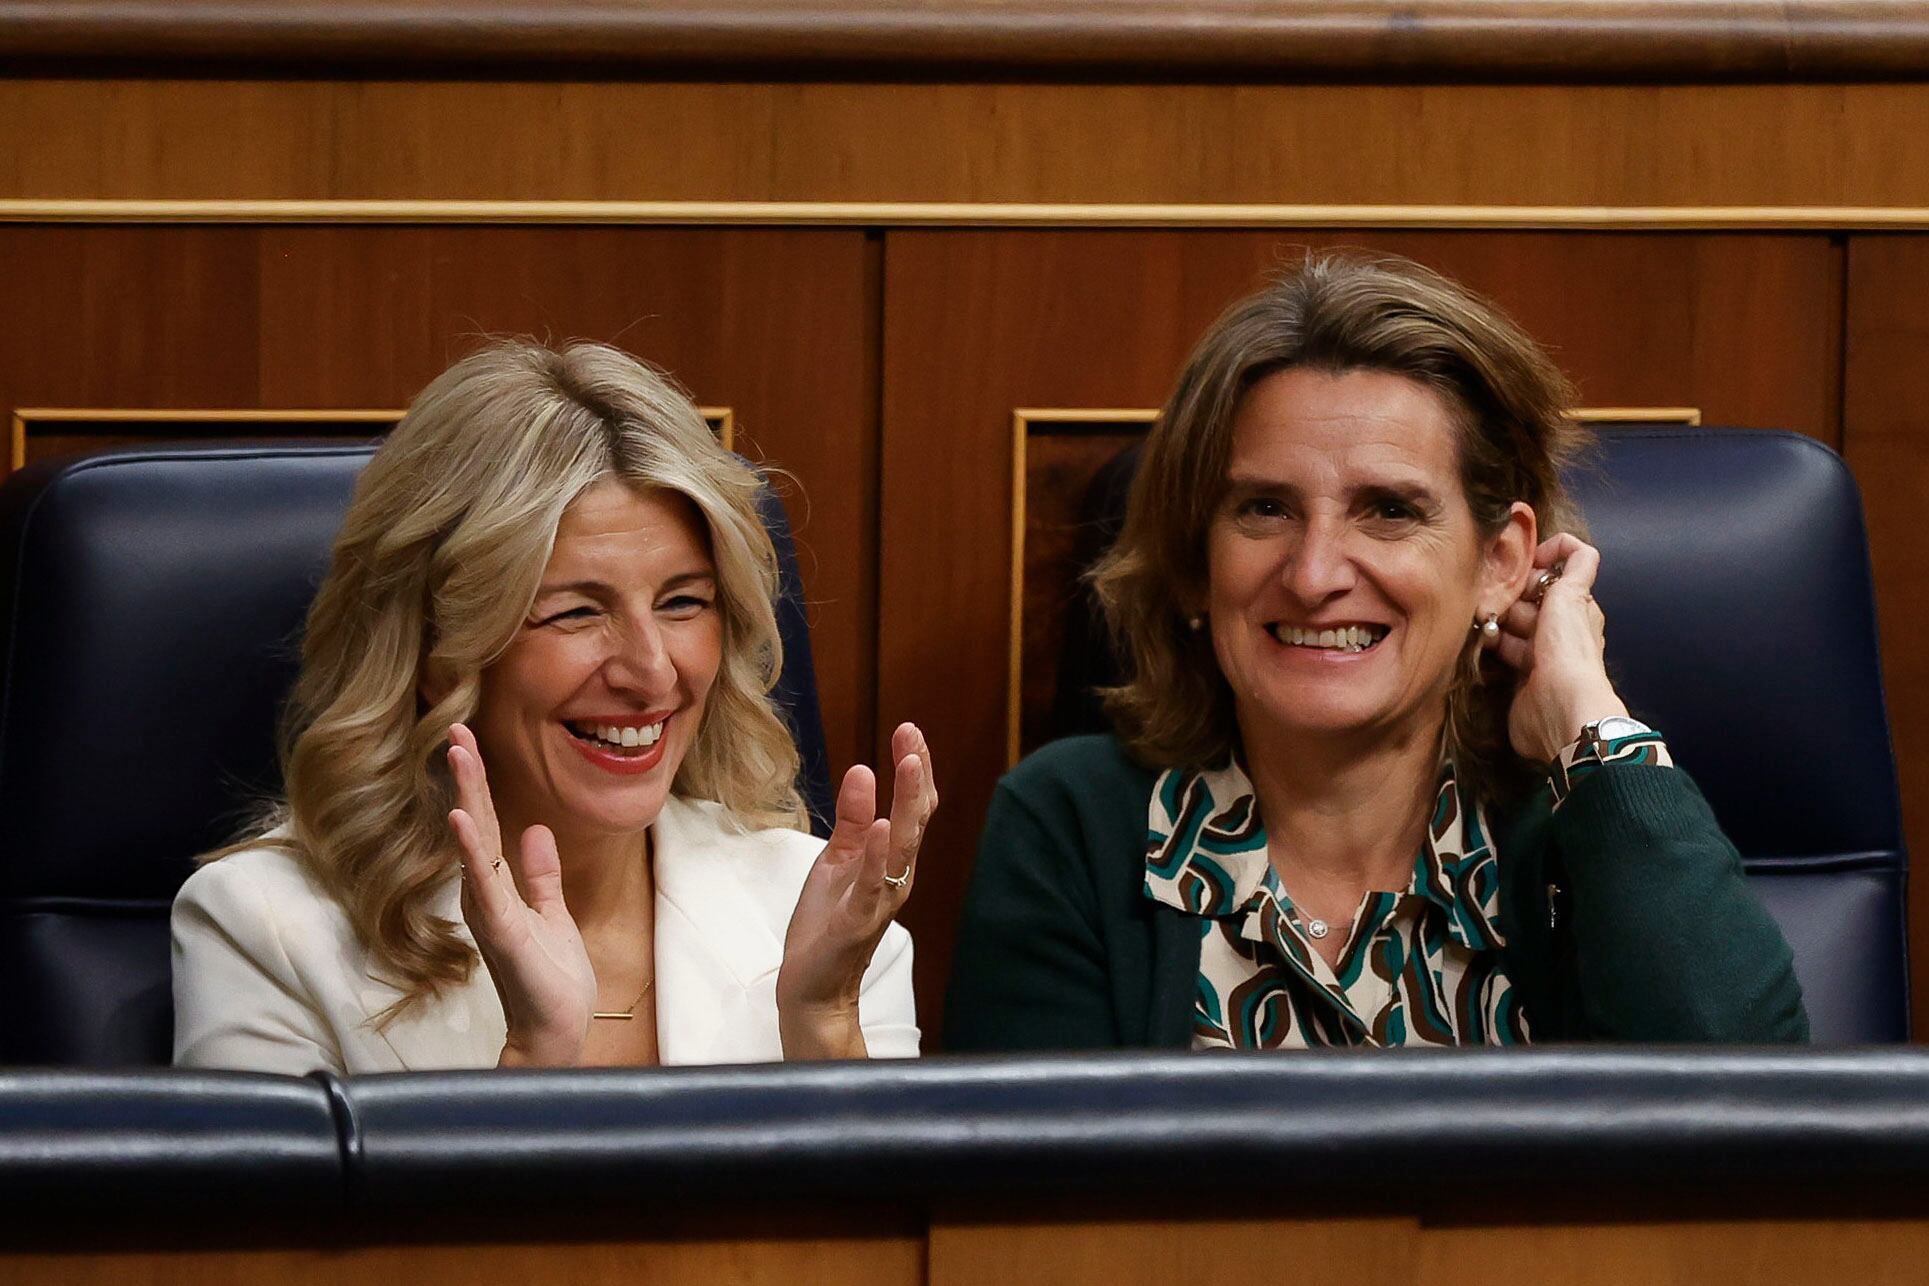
column 540, row 810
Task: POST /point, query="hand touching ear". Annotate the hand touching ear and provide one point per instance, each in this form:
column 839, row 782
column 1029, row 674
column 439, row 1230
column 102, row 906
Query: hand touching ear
column 1559, row 645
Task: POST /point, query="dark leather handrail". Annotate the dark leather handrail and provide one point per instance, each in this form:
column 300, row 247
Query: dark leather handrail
column 1613, row 1130
column 1600, row 1133
column 96, row 1150
column 1603, row 40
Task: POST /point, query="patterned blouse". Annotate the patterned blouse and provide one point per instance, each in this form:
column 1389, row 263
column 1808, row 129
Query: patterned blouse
column 1421, row 966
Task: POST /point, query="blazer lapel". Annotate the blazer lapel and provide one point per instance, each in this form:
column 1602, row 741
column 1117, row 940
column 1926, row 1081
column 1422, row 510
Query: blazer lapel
column 463, row 1027
column 718, row 941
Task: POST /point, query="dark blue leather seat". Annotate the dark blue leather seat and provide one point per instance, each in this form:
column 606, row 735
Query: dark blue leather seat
column 150, row 609
column 1741, row 623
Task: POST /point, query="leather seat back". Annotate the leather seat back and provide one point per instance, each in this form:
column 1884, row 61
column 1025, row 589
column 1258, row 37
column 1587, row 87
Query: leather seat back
column 151, row 606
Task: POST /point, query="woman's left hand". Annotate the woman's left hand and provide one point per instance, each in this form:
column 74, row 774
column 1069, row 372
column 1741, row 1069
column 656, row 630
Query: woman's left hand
column 849, row 898
column 1559, row 647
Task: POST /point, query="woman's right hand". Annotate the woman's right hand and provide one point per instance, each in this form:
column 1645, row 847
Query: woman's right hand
column 1558, row 644
column 525, row 934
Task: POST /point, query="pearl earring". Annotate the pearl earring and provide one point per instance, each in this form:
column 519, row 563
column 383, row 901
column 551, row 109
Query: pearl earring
column 1490, row 630
column 1195, row 623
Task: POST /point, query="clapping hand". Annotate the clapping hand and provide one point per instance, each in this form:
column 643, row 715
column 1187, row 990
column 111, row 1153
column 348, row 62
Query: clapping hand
column 856, row 886
column 525, row 934
column 1556, row 637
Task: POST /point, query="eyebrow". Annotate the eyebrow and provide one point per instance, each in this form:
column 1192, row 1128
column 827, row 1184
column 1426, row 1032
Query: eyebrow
column 1403, row 489
column 597, row 588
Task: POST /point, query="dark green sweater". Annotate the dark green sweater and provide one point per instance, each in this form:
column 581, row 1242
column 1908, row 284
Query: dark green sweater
column 1653, row 936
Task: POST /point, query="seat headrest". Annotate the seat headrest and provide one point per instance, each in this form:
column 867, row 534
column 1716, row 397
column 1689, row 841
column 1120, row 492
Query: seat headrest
column 134, row 729
column 1741, row 622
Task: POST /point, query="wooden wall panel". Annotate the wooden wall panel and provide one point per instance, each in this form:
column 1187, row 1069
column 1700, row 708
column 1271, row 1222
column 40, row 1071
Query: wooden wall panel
column 1226, row 1251
column 102, row 317
column 1682, row 146
column 980, row 323
column 778, row 325
column 1381, row 1251
column 1886, row 408
column 885, row 1258
column 1711, row 1253
column 1084, row 1245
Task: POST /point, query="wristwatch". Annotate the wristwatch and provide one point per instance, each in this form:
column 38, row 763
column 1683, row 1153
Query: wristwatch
column 1612, row 728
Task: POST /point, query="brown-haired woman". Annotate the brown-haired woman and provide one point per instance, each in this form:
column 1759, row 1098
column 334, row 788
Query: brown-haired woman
column 1371, row 783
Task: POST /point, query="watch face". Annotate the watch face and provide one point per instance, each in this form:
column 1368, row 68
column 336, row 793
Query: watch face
column 1619, row 726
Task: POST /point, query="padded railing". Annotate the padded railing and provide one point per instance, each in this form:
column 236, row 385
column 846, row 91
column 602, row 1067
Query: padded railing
column 1613, row 1133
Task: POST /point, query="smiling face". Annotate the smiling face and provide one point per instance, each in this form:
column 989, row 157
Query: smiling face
column 586, row 717
column 1345, row 567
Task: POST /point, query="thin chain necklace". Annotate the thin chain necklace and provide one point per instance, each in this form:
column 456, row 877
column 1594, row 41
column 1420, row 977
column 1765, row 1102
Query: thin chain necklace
column 625, row 1015
column 1317, row 928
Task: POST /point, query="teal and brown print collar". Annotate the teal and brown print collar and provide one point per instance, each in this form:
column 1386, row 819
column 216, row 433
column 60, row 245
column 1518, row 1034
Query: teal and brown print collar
column 1420, row 965
column 1206, row 852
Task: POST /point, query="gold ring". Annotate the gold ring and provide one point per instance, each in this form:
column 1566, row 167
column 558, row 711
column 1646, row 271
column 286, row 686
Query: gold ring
column 496, row 865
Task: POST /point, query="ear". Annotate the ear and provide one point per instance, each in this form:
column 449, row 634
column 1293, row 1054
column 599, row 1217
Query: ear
column 1507, row 560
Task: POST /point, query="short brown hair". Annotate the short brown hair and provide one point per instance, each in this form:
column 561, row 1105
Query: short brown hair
column 1332, row 312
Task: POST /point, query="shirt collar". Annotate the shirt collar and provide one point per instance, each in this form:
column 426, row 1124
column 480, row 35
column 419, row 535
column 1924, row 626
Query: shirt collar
column 1206, row 852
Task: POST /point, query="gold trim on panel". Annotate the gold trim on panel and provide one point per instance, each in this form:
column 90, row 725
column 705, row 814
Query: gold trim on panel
column 972, row 214
column 721, row 419
column 1014, row 665
column 24, row 416
column 1683, row 416
column 1022, row 422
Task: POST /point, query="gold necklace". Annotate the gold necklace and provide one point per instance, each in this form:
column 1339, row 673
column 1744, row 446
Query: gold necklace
column 625, row 1015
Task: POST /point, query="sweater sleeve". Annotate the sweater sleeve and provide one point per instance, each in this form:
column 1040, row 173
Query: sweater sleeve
column 1030, row 970
column 1669, row 942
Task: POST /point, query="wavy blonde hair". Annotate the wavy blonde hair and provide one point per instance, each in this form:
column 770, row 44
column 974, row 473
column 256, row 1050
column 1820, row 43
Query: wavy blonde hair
column 1511, row 408
column 435, row 569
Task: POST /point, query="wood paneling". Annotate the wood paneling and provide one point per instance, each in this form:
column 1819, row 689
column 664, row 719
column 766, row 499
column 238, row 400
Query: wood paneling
column 1886, row 406
column 1235, row 1251
column 1815, row 1253
column 1539, row 39
column 1477, row 145
column 978, row 324
column 105, row 317
column 779, row 325
column 1199, row 1252
column 859, row 1261
column 1068, row 1250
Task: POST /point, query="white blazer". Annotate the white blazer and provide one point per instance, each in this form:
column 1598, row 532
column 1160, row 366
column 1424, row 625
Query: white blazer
column 268, row 975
